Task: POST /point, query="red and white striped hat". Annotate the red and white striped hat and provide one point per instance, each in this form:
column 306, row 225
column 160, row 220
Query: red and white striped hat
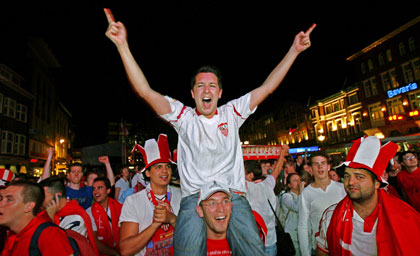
column 368, row 153
column 155, row 152
column 6, row 176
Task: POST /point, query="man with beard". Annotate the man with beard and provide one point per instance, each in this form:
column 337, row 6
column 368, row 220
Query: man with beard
column 368, row 221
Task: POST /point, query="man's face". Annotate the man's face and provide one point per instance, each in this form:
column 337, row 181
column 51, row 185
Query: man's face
column 289, row 168
column 320, row 167
column 359, row 184
column 12, row 207
column 160, row 174
column 216, row 212
column 206, row 92
column 75, row 174
column 299, row 159
column 100, row 192
column 410, row 160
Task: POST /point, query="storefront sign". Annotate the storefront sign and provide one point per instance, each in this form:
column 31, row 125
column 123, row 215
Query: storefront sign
column 401, row 90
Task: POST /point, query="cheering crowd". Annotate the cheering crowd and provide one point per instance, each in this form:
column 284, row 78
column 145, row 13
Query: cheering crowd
column 224, row 205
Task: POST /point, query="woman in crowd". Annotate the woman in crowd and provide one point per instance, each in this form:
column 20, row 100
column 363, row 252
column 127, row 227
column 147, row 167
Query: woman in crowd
column 289, row 203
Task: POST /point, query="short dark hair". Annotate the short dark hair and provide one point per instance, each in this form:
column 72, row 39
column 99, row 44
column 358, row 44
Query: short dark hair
column 254, row 167
column 54, row 185
column 319, row 153
column 207, row 69
column 75, row 164
column 402, row 154
column 105, row 180
column 32, row 192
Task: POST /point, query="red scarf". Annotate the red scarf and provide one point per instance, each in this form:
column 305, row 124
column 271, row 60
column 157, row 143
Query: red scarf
column 397, row 233
column 101, row 220
column 73, row 208
column 162, row 240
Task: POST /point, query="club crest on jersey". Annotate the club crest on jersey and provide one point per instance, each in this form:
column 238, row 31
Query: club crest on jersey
column 223, row 127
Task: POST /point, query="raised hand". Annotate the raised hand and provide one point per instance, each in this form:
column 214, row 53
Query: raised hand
column 103, row 159
column 116, row 30
column 302, row 40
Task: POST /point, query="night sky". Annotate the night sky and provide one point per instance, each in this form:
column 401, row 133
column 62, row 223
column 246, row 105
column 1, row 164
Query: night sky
column 171, row 39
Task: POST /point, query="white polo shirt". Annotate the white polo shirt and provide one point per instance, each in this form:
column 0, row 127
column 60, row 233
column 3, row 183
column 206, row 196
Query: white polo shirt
column 210, row 149
column 362, row 243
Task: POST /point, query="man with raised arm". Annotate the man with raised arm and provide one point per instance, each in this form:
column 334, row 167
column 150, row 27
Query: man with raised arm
column 208, row 144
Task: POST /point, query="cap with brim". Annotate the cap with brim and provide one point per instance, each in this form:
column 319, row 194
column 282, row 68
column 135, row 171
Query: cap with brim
column 368, row 153
column 208, row 189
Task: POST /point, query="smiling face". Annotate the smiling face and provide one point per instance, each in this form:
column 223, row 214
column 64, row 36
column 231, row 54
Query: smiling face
column 160, row 174
column 216, row 211
column 360, row 186
column 100, row 192
column 206, row 92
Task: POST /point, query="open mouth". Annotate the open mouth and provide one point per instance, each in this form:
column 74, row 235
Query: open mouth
column 221, row 218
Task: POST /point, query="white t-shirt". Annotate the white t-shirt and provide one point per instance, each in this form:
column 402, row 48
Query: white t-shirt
column 123, row 185
column 137, row 208
column 210, row 149
column 362, row 243
column 289, row 203
column 312, row 203
column 257, row 195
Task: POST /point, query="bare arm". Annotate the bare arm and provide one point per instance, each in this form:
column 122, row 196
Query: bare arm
column 132, row 242
column 117, row 33
column 280, row 162
column 47, row 166
column 103, row 248
column 300, row 43
column 117, row 192
column 109, row 172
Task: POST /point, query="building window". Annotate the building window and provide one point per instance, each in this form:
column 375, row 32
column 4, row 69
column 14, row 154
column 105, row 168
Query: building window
column 401, row 46
column 357, row 122
column 381, row 59
column 21, row 112
column 314, row 113
column 1, row 103
column 414, row 98
column 411, row 70
column 328, row 109
column 370, row 65
column 389, row 79
column 19, row 146
column 411, row 44
column 336, row 106
column 395, row 106
column 7, row 139
column 375, row 112
column 353, row 99
column 363, row 68
column 388, row 55
column 9, row 107
column 370, row 87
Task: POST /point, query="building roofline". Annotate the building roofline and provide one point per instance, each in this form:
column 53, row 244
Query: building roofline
column 384, row 39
